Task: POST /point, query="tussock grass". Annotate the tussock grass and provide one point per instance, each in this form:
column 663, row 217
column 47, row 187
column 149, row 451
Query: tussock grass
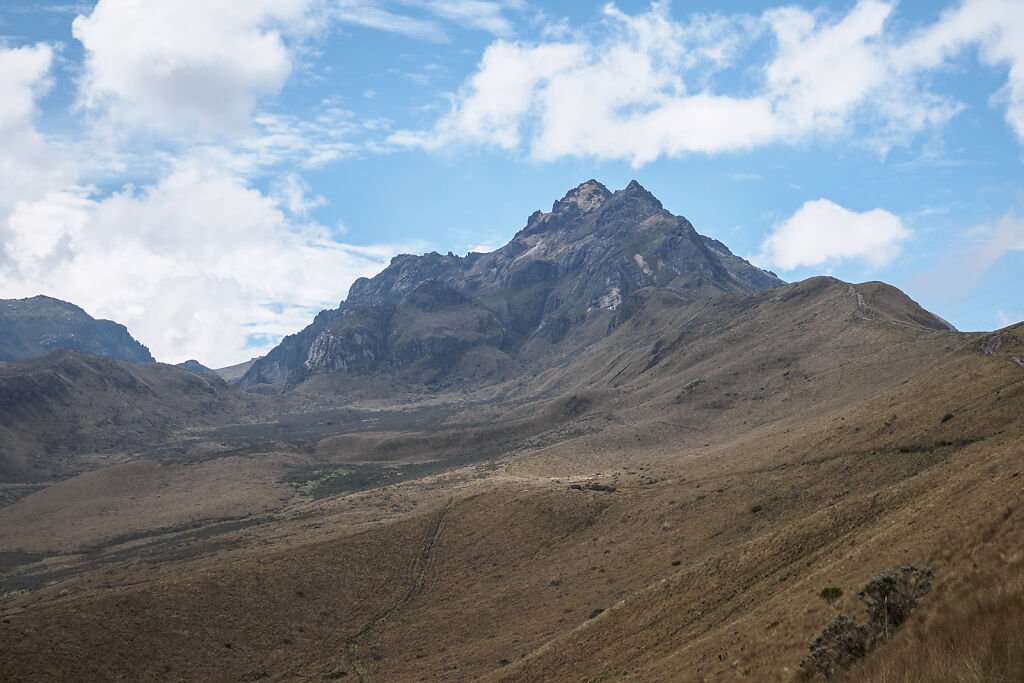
column 980, row 638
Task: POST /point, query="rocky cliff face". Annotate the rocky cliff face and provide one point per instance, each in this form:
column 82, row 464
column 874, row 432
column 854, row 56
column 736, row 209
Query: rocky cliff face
column 39, row 325
column 568, row 269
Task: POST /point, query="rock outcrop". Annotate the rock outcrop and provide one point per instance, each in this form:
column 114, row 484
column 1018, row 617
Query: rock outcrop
column 564, row 274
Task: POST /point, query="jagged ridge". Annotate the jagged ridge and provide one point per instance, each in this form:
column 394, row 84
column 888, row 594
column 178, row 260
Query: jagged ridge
column 563, row 274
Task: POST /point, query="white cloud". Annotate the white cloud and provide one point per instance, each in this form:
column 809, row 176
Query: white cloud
column 996, row 27
column 642, row 86
column 193, row 264
column 292, row 192
column 504, row 92
column 29, row 164
column 177, row 65
column 822, row 232
column 485, row 247
column 196, row 261
column 821, row 71
column 23, row 76
column 484, row 15
column 478, row 14
column 370, row 15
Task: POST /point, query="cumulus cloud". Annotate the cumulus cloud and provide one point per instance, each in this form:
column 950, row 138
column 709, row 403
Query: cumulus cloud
column 195, row 260
column 178, row 65
column 198, row 263
column 822, row 232
column 996, row 28
column 29, row 164
column 195, row 264
column 642, row 86
column 23, row 75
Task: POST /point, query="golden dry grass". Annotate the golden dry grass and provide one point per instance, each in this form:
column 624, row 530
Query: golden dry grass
column 705, row 562
column 976, row 639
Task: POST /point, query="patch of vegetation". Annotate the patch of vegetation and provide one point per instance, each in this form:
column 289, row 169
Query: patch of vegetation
column 978, row 638
column 929, row 447
column 12, row 493
column 314, row 482
column 595, row 613
column 24, row 572
column 888, row 599
column 12, row 559
column 830, row 594
column 592, row 486
column 842, row 642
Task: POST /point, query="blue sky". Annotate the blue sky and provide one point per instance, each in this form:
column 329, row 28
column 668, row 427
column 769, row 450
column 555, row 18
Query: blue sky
column 212, row 173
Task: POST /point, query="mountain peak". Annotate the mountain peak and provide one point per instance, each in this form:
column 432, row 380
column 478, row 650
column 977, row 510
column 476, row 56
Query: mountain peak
column 637, row 191
column 567, row 270
column 584, row 197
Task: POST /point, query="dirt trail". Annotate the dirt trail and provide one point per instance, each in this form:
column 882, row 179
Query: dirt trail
column 419, row 573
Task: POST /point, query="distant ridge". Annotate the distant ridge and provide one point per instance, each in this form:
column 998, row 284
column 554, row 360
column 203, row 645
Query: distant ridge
column 40, row 325
column 193, row 365
column 233, row 373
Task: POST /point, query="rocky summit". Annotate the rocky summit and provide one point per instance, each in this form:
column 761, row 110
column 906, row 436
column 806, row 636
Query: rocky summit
column 39, row 325
column 553, row 289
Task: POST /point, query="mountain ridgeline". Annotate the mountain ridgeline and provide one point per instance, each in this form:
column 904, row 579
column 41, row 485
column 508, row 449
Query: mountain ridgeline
column 41, row 324
column 551, row 291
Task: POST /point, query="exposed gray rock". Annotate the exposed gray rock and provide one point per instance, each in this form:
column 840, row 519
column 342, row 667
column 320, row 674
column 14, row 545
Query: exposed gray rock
column 576, row 263
column 992, row 344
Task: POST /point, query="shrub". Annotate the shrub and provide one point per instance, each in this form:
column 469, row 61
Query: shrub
column 888, row 599
column 831, row 594
column 839, row 644
column 891, row 596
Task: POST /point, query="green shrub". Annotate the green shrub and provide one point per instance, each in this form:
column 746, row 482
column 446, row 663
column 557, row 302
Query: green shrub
column 840, row 643
column 831, row 594
column 888, row 599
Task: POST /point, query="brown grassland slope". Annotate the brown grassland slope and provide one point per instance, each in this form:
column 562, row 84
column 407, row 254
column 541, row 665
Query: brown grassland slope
column 664, row 506
column 61, row 410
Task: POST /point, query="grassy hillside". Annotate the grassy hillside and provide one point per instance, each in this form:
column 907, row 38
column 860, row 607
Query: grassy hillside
column 71, row 411
column 662, row 508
